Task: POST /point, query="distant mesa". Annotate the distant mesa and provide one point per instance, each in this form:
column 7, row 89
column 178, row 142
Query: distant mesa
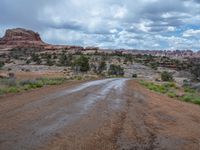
column 23, row 38
column 20, row 38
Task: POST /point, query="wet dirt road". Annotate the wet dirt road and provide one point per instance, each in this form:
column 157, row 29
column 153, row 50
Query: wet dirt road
column 104, row 115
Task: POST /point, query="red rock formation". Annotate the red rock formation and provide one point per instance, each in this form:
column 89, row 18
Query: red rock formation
column 20, row 38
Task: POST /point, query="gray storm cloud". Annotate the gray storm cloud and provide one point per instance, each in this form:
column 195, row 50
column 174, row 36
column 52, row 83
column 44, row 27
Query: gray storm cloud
column 142, row 24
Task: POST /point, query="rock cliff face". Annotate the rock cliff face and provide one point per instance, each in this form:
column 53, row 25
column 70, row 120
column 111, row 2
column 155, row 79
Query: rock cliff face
column 20, row 38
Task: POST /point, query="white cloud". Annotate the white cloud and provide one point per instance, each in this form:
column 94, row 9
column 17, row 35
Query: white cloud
column 144, row 24
column 170, row 28
column 191, row 33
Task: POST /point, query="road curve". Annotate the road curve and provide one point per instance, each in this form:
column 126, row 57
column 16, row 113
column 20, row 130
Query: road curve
column 104, row 114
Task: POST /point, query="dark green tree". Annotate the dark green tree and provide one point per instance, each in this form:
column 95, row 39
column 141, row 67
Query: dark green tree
column 36, row 58
column 102, row 67
column 1, row 64
column 166, row 76
column 49, row 60
column 195, row 70
column 82, row 64
column 65, row 60
column 116, row 70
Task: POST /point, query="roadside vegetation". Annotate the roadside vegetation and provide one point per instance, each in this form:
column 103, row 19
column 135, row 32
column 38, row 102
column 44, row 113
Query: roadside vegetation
column 100, row 62
column 166, row 76
column 11, row 85
column 170, row 89
column 116, row 70
column 1, row 64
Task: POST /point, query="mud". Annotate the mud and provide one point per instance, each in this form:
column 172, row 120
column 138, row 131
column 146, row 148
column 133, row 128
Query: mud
column 104, row 114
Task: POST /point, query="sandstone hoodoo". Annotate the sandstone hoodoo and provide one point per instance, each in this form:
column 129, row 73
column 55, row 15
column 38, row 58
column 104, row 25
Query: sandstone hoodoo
column 20, row 38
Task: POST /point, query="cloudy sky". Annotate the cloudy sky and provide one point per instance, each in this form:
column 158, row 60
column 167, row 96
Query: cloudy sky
column 141, row 24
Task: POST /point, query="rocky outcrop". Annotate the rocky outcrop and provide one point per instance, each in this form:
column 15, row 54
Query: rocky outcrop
column 20, row 38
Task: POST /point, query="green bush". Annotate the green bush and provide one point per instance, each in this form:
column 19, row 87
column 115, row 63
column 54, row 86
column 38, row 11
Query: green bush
column 166, row 76
column 171, row 94
column 35, row 85
column 82, row 64
column 28, row 61
column 36, row 58
column 79, row 78
column 116, row 70
column 102, row 67
column 189, row 90
column 170, row 90
column 52, row 81
column 25, row 85
column 49, row 61
column 65, row 60
column 134, row 75
column 1, row 64
column 154, row 65
column 161, row 88
column 12, row 90
column 10, row 82
column 26, row 82
column 191, row 97
column 2, row 91
column 195, row 70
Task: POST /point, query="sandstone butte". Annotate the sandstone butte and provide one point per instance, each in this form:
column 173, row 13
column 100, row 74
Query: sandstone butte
column 23, row 38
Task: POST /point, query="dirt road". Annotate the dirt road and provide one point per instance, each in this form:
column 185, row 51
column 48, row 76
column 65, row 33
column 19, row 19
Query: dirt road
column 103, row 115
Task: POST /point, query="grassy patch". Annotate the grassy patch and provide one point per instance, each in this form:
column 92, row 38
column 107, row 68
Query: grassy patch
column 171, row 94
column 170, row 89
column 160, row 88
column 12, row 90
column 52, row 81
column 191, row 95
column 13, row 86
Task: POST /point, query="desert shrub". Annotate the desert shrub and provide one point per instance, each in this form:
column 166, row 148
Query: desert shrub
column 169, row 89
column 102, row 67
column 134, row 75
column 65, row 60
column 52, row 81
column 49, row 61
column 1, row 64
column 160, row 88
column 2, row 91
column 154, row 65
column 128, row 58
column 28, row 61
column 166, row 76
column 189, row 90
column 12, row 90
column 36, row 85
column 190, row 97
column 195, row 70
column 31, row 84
column 116, row 70
column 81, row 64
column 10, row 82
column 170, row 85
column 26, row 82
column 79, row 78
column 36, row 58
column 171, row 94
